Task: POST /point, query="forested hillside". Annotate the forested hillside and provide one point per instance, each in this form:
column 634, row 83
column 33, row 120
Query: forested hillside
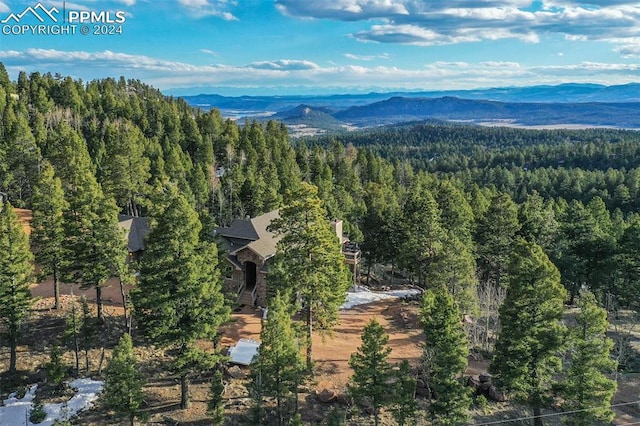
column 472, row 210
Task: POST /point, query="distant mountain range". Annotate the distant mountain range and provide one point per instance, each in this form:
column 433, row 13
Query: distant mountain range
column 563, row 105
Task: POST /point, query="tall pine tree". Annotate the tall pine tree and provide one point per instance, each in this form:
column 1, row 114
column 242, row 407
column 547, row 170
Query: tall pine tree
column 47, row 227
column 179, row 296
column 586, row 387
column 279, row 366
column 313, row 263
column 527, row 349
column 16, row 267
column 371, row 370
column 445, row 357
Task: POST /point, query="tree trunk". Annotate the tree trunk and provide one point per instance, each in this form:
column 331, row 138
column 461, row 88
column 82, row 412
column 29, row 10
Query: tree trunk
column 132, row 417
column 13, row 357
column 56, row 289
column 76, row 347
column 99, row 303
column 537, row 420
column 184, row 392
column 309, row 335
column 376, row 416
column 86, row 360
column 279, row 408
column 368, row 273
column 124, row 307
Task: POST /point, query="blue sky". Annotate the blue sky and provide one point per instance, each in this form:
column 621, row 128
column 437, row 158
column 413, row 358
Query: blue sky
column 341, row 46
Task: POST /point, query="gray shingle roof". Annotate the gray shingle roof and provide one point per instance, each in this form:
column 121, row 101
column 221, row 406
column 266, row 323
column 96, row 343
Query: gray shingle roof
column 136, row 229
column 252, row 234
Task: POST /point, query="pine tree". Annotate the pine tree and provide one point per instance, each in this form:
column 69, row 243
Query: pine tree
column 215, row 405
column 72, row 332
column 123, row 382
column 55, row 368
column 423, row 234
column 526, row 353
column 495, row 235
column 92, row 235
column 279, row 365
column 445, row 357
column 47, row 227
column 16, row 267
column 404, row 404
column 179, row 296
column 586, row 387
column 371, row 370
column 314, row 267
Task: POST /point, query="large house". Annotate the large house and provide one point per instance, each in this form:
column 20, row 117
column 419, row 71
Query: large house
column 250, row 246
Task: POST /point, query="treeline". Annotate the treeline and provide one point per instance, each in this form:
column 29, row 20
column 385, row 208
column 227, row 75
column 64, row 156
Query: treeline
column 137, row 141
column 572, row 164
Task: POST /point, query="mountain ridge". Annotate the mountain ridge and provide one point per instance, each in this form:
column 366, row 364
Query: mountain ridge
column 570, row 104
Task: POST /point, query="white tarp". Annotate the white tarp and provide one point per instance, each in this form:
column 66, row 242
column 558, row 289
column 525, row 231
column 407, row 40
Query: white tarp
column 244, row 351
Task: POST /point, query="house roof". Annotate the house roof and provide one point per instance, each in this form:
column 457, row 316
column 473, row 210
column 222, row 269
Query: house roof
column 136, row 229
column 251, row 234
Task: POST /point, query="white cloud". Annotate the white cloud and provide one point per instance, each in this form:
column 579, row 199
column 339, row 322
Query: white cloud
column 127, row 2
column 430, row 23
column 204, row 8
column 283, row 65
column 209, row 52
column 4, row 8
column 285, row 73
column 366, row 57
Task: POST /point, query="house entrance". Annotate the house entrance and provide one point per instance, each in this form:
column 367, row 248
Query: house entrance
column 250, row 274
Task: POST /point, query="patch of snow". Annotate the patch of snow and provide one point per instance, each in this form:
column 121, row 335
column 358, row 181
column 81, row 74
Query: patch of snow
column 363, row 296
column 15, row 412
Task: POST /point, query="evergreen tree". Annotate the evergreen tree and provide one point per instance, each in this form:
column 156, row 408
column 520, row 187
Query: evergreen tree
column 16, row 267
column 455, row 268
column 47, row 227
column 526, row 354
column 179, row 296
column 495, row 236
column 586, row 387
column 92, row 235
column 215, row 405
column 371, row 370
column 404, row 404
column 72, row 332
column 628, row 258
column 125, row 169
column 55, row 368
column 279, row 365
column 314, row 267
column 445, row 357
column 123, row 382
column 423, row 233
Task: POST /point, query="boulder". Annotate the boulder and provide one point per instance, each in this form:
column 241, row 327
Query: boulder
column 327, row 395
column 236, row 373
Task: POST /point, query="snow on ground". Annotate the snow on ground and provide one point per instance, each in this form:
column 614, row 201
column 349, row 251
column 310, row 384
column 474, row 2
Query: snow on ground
column 15, row 412
column 362, row 296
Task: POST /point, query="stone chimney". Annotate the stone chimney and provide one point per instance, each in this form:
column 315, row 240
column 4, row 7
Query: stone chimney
column 337, row 228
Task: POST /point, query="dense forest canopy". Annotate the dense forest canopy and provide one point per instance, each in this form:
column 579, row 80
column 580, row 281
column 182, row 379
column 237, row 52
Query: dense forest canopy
column 393, row 186
column 463, row 211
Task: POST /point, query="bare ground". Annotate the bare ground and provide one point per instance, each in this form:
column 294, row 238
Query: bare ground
column 331, row 355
